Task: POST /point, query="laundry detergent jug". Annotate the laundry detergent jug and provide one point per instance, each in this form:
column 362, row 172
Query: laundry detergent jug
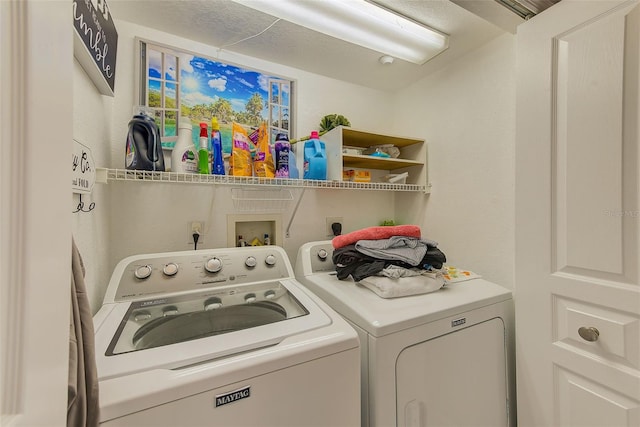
column 315, row 158
column 144, row 148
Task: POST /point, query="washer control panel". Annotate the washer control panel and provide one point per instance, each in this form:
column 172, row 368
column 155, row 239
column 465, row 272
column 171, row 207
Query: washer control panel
column 144, row 276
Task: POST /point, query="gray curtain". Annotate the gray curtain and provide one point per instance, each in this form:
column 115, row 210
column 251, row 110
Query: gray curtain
column 82, row 404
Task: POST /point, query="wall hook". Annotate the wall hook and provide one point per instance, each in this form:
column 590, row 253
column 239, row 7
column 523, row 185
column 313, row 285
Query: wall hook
column 81, row 208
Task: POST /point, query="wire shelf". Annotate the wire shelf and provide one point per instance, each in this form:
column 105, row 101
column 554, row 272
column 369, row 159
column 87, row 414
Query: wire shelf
column 104, row 175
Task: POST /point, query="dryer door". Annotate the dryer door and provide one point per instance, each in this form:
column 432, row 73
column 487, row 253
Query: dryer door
column 458, row 379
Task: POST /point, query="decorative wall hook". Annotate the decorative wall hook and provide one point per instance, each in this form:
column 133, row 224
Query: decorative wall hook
column 81, row 208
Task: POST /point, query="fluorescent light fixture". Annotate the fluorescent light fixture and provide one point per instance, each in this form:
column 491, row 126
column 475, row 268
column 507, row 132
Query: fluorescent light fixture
column 359, row 22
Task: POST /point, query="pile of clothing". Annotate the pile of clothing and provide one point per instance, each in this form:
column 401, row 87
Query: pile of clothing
column 392, row 261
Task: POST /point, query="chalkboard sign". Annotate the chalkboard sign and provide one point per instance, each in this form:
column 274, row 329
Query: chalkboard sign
column 96, row 42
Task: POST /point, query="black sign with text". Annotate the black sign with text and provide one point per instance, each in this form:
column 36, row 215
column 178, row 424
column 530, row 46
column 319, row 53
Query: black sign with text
column 94, row 26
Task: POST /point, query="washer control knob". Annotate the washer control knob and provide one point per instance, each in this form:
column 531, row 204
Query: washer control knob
column 250, row 297
column 270, row 260
column 141, row 316
column 213, row 265
column 170, row 269
column 270, row 294
column 322, row 254
column 143, row 272
column 250, row 262
column 212, row 303
column 171, row 310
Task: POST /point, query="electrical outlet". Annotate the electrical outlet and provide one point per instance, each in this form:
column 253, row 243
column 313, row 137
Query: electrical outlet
column 195, row 226
column 330, row 220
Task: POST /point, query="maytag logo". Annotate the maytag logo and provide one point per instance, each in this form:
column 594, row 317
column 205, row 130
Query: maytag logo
column 232, row 396
column 458, row 322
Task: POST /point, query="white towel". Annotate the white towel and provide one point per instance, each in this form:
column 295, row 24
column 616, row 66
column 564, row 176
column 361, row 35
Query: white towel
column 386, row 287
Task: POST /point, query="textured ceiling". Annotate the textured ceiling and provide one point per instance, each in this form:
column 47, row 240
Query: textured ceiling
column 222, row 23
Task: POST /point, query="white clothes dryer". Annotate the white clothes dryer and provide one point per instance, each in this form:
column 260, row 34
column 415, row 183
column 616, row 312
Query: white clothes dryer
column 222, row 337
column 439, row 359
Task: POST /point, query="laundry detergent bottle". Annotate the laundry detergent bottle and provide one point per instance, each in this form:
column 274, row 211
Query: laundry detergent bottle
column 315, row 158
column 217, row 166
column 282, row 147
column 184, row 157
column 144, row 148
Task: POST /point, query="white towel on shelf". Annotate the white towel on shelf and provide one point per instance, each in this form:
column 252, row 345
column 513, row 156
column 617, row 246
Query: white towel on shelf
column 386, row 287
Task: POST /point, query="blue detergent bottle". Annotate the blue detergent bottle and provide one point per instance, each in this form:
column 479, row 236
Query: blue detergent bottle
column 315, row 158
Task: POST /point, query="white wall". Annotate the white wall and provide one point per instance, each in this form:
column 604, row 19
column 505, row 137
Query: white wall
column 133, row 218
column 466, row 112
column 92, row 127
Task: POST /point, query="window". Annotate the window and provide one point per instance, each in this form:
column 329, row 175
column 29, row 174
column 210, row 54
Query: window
column 175, row 83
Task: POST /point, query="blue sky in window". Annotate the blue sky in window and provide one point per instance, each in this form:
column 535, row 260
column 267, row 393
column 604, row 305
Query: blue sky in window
column 203, row 81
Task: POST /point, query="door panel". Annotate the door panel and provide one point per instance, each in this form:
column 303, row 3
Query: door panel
column 458, row 379
column 577, row 212
column 586, row 403
column 588, row 67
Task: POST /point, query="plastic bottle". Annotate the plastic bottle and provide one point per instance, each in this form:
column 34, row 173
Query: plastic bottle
column 184, row 157
column 241, row 242
column 282, row 148
column 293, row 167
column 143, row 149
column 203, row 153
column 315, row 158
column 217, row 165
column 267, row 240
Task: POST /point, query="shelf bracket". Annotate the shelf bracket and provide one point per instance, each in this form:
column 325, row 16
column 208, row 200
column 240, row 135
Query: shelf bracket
column 293, row 214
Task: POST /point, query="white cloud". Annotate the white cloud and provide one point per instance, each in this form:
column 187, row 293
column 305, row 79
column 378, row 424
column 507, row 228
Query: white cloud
column 155, row 63
column 172, row 73
column 263, row 81
column 244, row 82
column 185, row 63
column 218, row 84
column 195, row 98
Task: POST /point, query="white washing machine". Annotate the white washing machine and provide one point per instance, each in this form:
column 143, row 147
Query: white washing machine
column 438, row 359
column 222, row 337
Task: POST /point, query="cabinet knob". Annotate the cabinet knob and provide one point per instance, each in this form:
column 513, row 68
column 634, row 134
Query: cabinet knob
column 590, row 334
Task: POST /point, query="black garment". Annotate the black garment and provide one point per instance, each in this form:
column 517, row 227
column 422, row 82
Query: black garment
column 351, row 262
column 434, row 258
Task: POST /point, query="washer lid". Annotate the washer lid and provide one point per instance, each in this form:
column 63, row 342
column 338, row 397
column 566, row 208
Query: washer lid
column 180, row 330
column 381, row 316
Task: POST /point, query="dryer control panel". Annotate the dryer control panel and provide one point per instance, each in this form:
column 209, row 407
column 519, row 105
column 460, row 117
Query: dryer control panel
column 315, row 257
column 147, row 275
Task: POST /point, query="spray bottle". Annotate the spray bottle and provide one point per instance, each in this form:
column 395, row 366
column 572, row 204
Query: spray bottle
column 217, row 166
column 203, row 153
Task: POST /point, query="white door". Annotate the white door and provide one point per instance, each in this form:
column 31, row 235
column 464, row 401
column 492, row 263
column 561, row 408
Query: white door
column 577, row 216
column 36, row 137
